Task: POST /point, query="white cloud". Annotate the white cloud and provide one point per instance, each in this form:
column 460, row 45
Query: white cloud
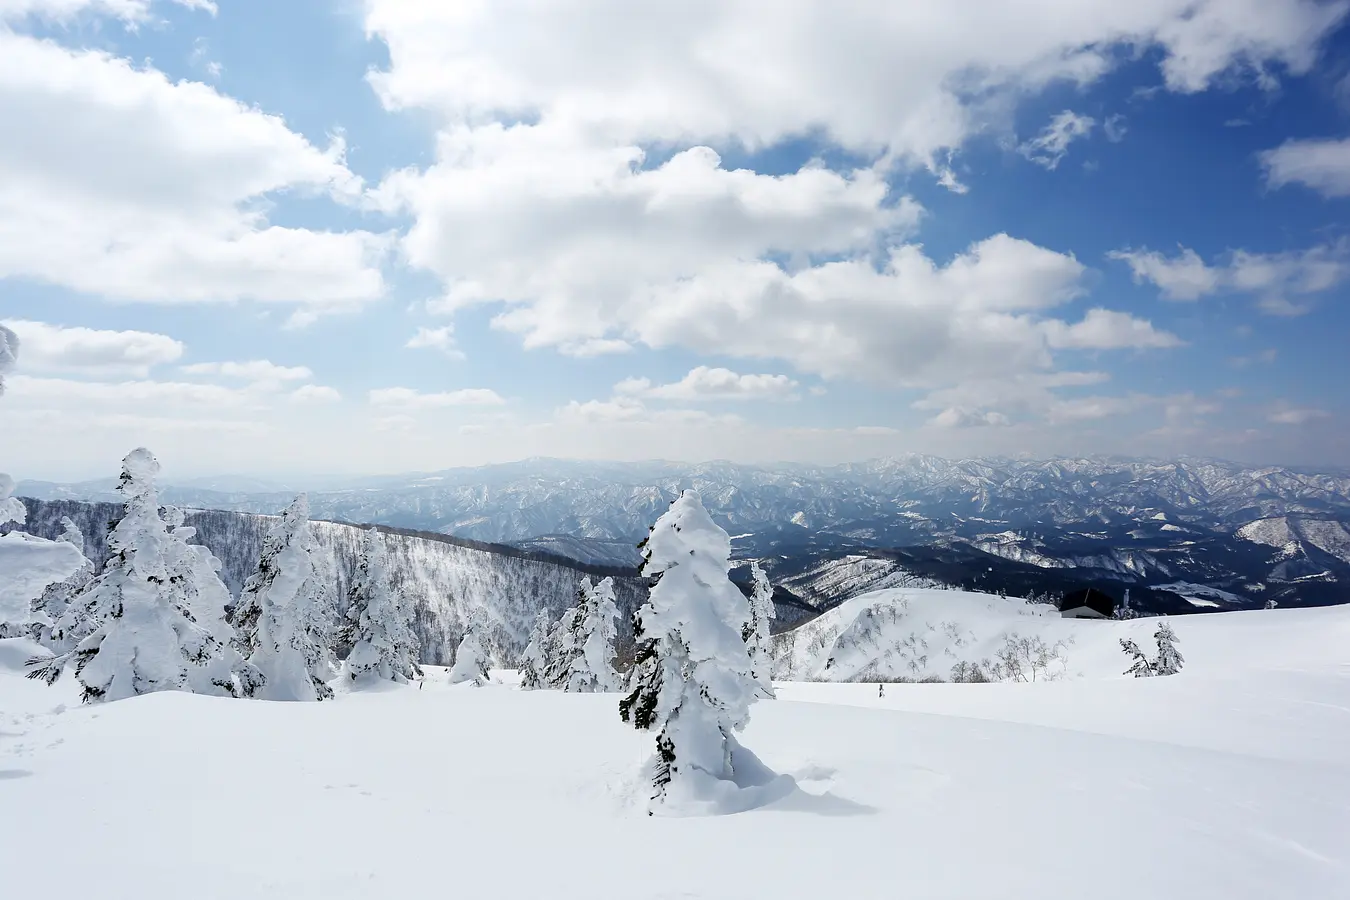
column 134, row 187
column 87, row 394
column 1115, row 127
column 441, row 339
column 1051, row 145
column 1103, row 329
column 407, row 398
column 911, row 79
column 258, row 372
column 875, row 430
column 1323, row 165
column 629, row 411
column 1274, row 278
column 1183, row 277
column 704, row 383
column 315, row 393
column 49, row 347
column 957, row 417
column 1297, row 416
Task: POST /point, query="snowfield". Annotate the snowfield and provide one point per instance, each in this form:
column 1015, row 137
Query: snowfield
column 1230, row 780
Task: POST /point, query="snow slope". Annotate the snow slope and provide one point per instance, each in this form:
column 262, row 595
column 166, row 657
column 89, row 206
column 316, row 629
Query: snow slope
column 1227, row 781
column 917, row 633
column 448, row 581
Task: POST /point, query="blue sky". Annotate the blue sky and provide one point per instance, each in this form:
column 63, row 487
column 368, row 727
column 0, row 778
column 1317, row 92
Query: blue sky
column 1052, row 227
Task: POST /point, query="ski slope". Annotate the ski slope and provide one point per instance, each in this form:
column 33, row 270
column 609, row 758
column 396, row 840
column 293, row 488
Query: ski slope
column 1227, row 781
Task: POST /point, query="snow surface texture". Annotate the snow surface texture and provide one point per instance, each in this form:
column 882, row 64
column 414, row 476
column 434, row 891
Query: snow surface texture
column 1226, row 782
column 447, row 584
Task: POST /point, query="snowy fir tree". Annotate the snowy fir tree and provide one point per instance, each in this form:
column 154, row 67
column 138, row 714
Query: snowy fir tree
column 284, row 617
column 1124, row 611
column 30, row 568
column 53, row 626
column 1272, row 603
column 379, row 621
column 9, row 354
column 471, row 661
column 1169, row 658
column 564, row 642
column 148, row 638
column 534, row 660
column 693, row 681
column 1140, row 667
column 756, row 631
column 591, row 668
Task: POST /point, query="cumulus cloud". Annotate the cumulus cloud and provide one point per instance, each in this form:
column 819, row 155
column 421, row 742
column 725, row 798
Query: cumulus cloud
column 92, row 351
column 61, row 392
column 441, row 339
column 408, row 398
column 1323, row 165
column 704, row 383
column 130, row 186
column 903, row 78
column 1103, row 329
column 1052, row 144
column 1281, row 282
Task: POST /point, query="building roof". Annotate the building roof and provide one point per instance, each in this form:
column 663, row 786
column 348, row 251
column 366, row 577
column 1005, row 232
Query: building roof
column 1091, row 598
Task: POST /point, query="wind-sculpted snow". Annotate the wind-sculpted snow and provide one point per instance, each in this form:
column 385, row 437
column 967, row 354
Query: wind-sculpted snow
column 447, row 581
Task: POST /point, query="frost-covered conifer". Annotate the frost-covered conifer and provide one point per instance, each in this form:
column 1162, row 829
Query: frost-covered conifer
column 564, row 644
column 284, row 617
column 9, row 354
column 591, row 669
column 29, row 568
column 1272, row 603
column 53, row 625
column 534, row 661
column 1169, row 658
column 379, row 621
column 1140, row 667
column 148, row 638
column 693, row 682
column 471, row 661
column 756, row 631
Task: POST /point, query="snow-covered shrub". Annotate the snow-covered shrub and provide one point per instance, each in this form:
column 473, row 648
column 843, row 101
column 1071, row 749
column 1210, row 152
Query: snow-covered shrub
column 591, row 667
column 379, row 621
column 693, row 682
column 1169, row 659
column 284, row 617
column 1029, row 658
column 148, row 638
column 1140, row 666
column 30, row 568
column 756, row 631
column 534, row 661
column 471, row 661
column 965, row 672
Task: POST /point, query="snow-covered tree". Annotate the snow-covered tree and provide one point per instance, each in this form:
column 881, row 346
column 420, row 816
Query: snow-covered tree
column 285, row 614
column 379, row 621
column 1169, row 658
column 1125, row 611
column 534, row 661
column 30, row 567
column 590, row 669
column 1272, row 603
column 148, row 638
column 756, row 631
column 1140, row 666
column 53, row 626
column 693, row 682
column 9, row 354
column 564, row 642
column 471, row 661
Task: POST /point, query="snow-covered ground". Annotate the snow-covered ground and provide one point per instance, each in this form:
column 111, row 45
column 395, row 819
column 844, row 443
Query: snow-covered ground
column 1229, row 780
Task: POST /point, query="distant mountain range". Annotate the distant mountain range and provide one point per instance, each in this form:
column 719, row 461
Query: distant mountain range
column 1187, row 534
